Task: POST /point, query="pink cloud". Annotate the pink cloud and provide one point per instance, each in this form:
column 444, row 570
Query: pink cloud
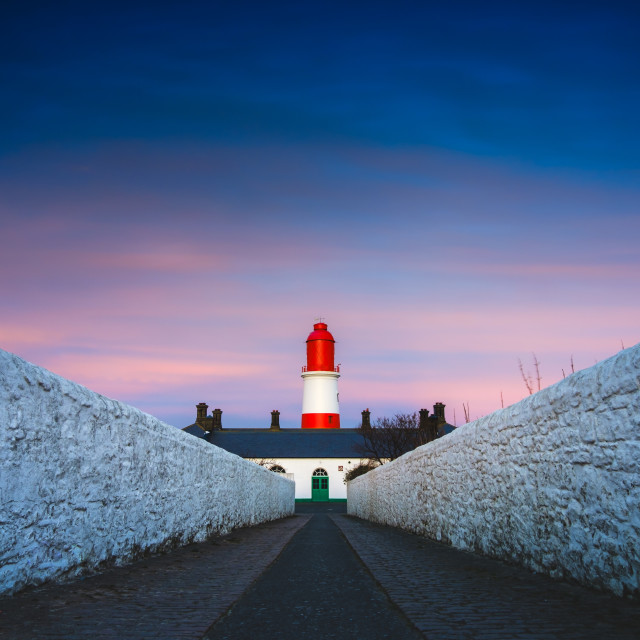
column 435, row 273
column 23, row 335
column 165, row 259
column 123, row 375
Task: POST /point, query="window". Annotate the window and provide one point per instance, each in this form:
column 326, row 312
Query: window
column 277, row 468
column 320, row 472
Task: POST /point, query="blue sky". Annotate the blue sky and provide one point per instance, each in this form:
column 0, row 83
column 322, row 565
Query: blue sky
column 452, row 187
column 538, row 83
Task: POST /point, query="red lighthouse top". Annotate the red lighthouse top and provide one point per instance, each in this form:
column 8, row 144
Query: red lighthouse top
column 320, row 349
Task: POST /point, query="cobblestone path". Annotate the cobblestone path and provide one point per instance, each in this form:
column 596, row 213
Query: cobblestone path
column 173, row 596
column 320, row 574
column 316, row 590
column 453, row 595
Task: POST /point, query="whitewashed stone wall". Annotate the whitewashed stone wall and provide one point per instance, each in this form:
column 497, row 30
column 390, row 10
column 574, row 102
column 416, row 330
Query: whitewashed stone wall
column 85, row 480
column 552, row 482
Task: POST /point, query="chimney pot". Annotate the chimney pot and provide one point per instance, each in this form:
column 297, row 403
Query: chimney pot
column 201, row 411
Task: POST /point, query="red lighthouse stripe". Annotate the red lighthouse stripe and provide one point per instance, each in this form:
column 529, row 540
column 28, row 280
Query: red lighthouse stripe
column 320, row 355
column 320, row 420
column 320, row 349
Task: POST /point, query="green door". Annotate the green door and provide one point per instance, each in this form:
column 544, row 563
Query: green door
column 320, row 486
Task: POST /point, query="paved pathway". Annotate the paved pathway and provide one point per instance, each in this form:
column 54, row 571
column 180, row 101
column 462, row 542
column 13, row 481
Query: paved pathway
column 450, row 594
column 317, row 589
column 301, row 579
column 174, row 596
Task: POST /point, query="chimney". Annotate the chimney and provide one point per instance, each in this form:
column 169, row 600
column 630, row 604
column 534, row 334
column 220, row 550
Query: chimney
column 201, row 412
column 424, row 418
column 217, row 419
column 275, row 420
column 366, row 419
column 438, row 410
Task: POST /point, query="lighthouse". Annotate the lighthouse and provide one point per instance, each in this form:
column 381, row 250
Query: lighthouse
column 320, row 409
column 318, row 456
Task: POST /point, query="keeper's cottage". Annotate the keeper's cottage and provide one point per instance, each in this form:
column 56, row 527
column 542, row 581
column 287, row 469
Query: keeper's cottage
column 317, row 455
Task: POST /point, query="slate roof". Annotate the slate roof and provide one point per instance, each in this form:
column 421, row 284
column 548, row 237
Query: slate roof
column 285, row 443
column 445, row 429
column 288, row 443
column 195, row 430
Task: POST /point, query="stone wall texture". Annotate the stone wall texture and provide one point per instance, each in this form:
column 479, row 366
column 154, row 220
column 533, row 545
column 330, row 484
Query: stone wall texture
column 552, row 482
column 86, row 480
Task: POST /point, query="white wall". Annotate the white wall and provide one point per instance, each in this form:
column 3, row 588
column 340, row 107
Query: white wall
column 85, row 479
column 552, row 482
column 303, row 468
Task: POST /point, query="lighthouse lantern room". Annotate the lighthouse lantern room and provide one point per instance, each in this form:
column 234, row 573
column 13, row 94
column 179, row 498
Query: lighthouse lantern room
column 320, row 408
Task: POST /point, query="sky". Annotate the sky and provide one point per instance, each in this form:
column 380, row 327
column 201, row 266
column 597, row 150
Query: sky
column 185, row 187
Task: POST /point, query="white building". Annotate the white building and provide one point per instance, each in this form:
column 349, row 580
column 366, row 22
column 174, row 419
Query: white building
column 317, row 458
column 318, row 455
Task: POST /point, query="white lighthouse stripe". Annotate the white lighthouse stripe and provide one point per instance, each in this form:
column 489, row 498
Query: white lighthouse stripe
column 320, row 393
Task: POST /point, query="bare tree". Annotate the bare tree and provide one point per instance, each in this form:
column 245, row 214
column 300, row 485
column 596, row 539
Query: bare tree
column 573, row 369
column 536, row 366
column 526, row 377
column 465, row 408
column 389, row 438
column 263, row 462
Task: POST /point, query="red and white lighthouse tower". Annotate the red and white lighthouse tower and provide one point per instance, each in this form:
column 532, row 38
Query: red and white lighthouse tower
column 320, row 408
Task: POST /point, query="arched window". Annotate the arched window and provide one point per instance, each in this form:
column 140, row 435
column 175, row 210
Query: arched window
column 319, row 472
column 277, row 468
